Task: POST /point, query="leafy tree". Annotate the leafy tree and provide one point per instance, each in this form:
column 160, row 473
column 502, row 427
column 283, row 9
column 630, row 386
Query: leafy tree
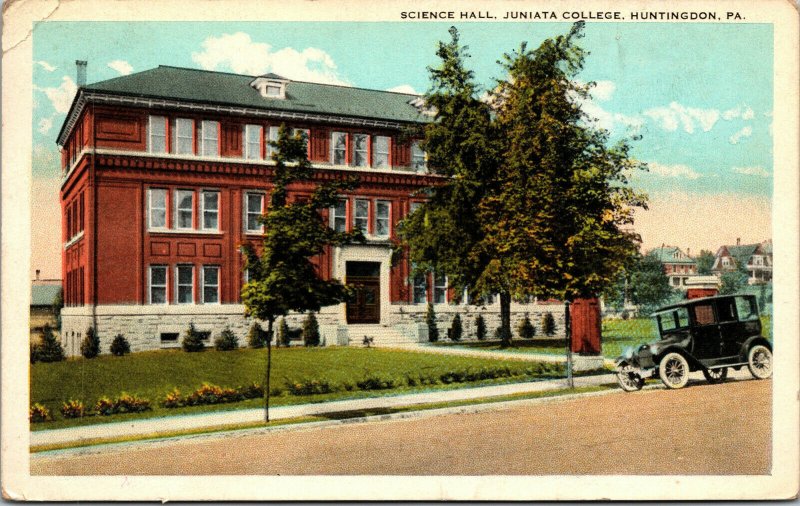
column 51, row 349
column 535, row 203
column 705, row 260
column 192, row 341
column 480, row 328
column 120, row 346
column 649, row 285
column 90, row 345
column 283, row 276
column 311, row 330
column 430, row 321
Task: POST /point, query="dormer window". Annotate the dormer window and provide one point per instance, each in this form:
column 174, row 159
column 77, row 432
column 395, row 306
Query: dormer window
column 270, row 86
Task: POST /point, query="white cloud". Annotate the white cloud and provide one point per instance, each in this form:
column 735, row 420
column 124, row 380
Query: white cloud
column 675, row 114
column 124, row 68
column 745, row 113
column 744, row 132
column 60, row 97
column 611, row 120
column 676, row 171
column 748, row 114
column 45, row 124
column 239, row 53
column 752, row 171
column 603, row 90
column 404, row 88
column 45, row 65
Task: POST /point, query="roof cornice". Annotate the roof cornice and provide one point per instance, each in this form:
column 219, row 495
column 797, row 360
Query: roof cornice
column 84, row 96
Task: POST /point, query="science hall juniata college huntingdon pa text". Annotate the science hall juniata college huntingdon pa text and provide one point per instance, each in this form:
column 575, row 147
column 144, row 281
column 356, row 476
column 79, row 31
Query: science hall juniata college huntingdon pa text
column 167, row 171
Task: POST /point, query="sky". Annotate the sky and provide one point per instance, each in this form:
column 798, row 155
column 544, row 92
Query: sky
column 698, row 95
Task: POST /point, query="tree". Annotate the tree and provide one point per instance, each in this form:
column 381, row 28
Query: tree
column 534, row 202
column 648, row 284
column 480, row 328
column 120, row 346
column 525, row 328
column 256, row 337
column 192, row 341
column 51, row 349
column 430, row 322
column 226, row 341
column 705, row 260
column 733, row 281
column 456, row 329
column 311, row 330
column 90, row 345
column 283, row 276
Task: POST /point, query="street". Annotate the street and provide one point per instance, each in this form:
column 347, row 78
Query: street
column 701, row 429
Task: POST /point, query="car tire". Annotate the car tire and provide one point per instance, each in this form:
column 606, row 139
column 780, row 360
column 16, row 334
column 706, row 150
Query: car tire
column 759, row 361
column 628, row 380
column 715, row 375
column 674, row 370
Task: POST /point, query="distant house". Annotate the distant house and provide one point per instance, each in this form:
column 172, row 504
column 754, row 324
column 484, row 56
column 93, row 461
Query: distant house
column 678, row 266
column 756, row 257
column 44, row 296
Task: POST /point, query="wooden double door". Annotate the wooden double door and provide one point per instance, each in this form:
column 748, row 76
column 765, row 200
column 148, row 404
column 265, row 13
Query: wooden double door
column 365, row 304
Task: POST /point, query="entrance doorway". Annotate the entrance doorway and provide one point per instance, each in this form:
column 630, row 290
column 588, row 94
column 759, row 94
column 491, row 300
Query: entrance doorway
column 365, row 304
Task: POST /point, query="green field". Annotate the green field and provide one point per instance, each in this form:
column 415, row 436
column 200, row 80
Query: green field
column 154, row 374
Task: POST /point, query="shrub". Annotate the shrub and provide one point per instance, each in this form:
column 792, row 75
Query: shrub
column 625, row 315
column 192, row 341
column 525, row 329
column 376, row 383
column 120, row 346
column 212, row 394
column 256, row 337
column 548, row 324
column 90, row 345
column 226, row 341
column 73, row 409
column 173, row 399
column 430, row 321
column 51, row 350
column 127, row 403
column 251, row 391
column 36, row 352
column 104, row 406
column 39, row 413
column 456, row 330
column 309, row 387
column 498, row 333
column 284, row 335
column 480, row 328
column 311, row 330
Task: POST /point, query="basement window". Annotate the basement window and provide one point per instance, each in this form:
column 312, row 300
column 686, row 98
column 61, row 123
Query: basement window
column 169, row 337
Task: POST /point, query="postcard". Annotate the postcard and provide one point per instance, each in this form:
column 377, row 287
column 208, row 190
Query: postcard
column 410, row 250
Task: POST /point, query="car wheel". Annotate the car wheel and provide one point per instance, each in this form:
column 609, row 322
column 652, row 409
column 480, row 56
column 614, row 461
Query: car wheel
column 715, row 375
column 759, row 361
column 629, row 380
column 674, row 370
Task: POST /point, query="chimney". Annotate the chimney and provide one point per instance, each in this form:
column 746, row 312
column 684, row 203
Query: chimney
column 688, row 252
column 37, row 274
column 738, row 241
column 81, row 64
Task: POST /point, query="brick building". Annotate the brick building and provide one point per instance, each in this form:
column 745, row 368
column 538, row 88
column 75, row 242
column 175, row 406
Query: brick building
column 166, row 172
column 679, row 267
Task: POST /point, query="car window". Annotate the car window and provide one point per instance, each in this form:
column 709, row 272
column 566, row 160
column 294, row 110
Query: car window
column 747, row 309
column 726, row 311
column 704, row 314
column 672, row 320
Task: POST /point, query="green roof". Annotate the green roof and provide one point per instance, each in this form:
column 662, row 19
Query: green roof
column 742, row 253
column 44, row 295
column 223, row 88
column 667, row 255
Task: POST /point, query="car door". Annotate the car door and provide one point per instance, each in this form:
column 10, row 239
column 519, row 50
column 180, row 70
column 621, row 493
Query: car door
column 706, row 333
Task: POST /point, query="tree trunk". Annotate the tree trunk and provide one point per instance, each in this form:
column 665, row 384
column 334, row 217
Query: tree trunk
column 269, row 368
column 505, row 320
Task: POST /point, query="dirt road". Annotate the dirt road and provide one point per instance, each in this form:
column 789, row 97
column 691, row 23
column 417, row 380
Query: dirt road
column 702, row 429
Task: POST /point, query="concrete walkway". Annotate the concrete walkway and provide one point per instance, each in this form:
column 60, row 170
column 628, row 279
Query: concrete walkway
column 504, row 354
column 223, row 418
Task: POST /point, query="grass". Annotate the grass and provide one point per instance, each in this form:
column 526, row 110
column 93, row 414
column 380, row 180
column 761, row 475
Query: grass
column 154, row 374
column 341, row 415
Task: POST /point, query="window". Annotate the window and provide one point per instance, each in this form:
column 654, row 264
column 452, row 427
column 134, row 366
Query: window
column 414, row 206
column 209, row 138
column 157, row 207
column 273, row 137
column 254, row 208
column 339, row 148
column 184, row 281
column 210, row 210
column 252, row 141
column 184, row 137
column 704, row 314
column 273, row 91
column 184, row 209
column 380, row 157
column 157, row 139
column 80, row 212
column 338, row 216
column 169, row 337
column 361, row 215
column 746, row 309
column 210, row 284
column 417, row 156
column 674, row 319
column 381, row 226
column 158, row 284
column 726, row 310
column 360, row 151
column 420, row 289
column 439, row 289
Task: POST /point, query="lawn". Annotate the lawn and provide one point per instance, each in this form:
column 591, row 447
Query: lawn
column 153, row 375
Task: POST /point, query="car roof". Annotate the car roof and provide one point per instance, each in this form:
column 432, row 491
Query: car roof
column 692, row 302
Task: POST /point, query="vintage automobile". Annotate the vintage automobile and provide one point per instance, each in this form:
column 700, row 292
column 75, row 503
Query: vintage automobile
column 709, row 335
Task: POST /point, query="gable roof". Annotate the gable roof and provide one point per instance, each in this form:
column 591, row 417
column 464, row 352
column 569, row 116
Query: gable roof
column 192, row 85
column 666, row 255
column 44, row 295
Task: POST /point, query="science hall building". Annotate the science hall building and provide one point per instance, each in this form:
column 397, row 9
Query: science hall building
column 166, row 172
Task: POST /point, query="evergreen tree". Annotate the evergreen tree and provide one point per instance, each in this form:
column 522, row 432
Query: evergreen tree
column 51, row 349
column 90, row 345
column 256, row 337
column 480, row 328
column 430, row 321
column 226, row 341
column 526, row 330
column 283, row 277
column 456, row 329
column 192, row 341
column 548, row 324
column 120, row 346
column 311, row 330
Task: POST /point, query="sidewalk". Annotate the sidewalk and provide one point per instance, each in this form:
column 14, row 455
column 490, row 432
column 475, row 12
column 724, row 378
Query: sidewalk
column 217, row 419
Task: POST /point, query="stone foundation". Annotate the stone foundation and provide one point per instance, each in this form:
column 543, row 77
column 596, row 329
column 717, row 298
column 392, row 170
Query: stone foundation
column 143, row 326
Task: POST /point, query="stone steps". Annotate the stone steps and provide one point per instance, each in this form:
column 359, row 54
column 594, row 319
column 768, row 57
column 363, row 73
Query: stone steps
column 381, row 336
